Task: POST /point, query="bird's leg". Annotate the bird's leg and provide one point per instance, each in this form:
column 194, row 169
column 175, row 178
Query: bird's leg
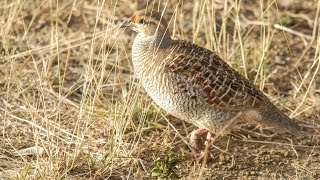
column 200, row 140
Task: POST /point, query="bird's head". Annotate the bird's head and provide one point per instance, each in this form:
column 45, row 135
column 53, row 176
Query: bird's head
column 147, row 23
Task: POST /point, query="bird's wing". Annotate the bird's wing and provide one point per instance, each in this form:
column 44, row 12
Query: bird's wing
column 221, row 86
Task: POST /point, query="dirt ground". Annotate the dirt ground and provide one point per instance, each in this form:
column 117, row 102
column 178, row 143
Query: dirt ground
column 71, row 107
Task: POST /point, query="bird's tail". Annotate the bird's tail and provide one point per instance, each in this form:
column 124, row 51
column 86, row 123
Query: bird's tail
column 275, row 118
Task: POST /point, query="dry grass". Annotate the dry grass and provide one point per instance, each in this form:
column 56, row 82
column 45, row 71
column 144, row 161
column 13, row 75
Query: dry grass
column 71, row 108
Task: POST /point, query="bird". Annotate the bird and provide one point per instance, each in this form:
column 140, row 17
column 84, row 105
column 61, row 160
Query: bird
column 194, row 84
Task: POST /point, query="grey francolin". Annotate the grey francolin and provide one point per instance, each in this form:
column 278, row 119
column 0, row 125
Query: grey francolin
column 195, row 84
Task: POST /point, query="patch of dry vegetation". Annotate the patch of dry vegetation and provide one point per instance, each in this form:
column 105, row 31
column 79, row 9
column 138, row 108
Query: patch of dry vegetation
column 70, row 106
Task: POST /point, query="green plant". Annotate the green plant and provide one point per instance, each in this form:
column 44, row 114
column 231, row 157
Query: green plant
column 165, row 168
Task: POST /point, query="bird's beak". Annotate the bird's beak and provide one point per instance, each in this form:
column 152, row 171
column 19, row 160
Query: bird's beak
column 126, row 23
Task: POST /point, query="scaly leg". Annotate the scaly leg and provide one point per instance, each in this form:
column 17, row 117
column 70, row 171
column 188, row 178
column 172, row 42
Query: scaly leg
column 200, row 140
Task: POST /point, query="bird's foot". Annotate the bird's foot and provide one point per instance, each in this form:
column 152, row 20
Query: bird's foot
column 200, row 141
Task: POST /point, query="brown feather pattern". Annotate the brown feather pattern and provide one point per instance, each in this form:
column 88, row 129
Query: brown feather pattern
column 222, row 86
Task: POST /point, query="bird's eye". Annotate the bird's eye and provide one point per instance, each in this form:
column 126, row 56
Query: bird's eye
column 141, row 21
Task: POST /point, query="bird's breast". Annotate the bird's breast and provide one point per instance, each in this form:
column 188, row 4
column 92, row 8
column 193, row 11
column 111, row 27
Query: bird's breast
column 172, row 92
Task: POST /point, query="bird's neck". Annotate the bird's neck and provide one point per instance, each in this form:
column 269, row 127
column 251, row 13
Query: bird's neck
column 157, row 41
column 146, row 52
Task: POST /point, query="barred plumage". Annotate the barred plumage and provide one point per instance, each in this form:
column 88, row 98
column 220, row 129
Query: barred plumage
column 193, row 83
